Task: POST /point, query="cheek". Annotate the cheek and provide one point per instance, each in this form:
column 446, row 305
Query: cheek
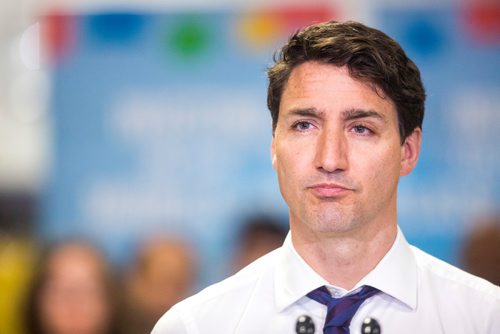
column 290, row 166
column 381, row 168
column 288, row 173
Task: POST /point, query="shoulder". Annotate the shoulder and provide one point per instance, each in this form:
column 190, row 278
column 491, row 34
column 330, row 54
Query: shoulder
column 449, row 275
column 228, row 297
column 171, row 322
column 455, row 295
column 450, row 290
column 237, row 285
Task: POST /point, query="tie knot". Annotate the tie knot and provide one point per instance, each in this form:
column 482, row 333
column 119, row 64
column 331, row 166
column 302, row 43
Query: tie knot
column 340, row 311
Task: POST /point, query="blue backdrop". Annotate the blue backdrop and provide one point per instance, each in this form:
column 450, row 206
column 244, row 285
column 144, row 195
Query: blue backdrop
column 161, row 125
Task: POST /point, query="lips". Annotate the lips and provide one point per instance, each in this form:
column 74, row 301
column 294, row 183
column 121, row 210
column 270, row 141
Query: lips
column 329, row 190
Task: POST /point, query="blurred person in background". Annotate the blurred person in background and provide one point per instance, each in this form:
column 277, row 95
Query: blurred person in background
column 162, row 274
column 18, row 250
column 259, row 235
column 17, row 257
column 72, row 292
column 481, row 249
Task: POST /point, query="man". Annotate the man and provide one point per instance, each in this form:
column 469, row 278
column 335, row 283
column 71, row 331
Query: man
column 347, row 107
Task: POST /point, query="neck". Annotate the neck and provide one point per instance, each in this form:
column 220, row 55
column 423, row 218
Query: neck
column 343, row 259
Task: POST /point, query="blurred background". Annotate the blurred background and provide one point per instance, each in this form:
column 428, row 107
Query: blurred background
column 134, row 140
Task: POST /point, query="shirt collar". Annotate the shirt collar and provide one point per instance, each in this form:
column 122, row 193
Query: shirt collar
column 395, row 275
column 294, row 278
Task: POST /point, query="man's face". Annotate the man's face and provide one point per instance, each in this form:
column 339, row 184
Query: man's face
column 337, row 151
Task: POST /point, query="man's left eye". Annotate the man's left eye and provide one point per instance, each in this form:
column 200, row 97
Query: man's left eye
column 361, row 129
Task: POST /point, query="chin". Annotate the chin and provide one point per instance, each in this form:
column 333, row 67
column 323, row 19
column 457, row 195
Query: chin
column 333, row 221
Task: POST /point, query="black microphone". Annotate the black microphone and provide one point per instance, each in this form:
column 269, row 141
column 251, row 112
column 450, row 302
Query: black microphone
column 304, row 325
column 370, row 326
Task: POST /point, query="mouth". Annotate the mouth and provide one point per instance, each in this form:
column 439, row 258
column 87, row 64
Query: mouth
column 329, row 190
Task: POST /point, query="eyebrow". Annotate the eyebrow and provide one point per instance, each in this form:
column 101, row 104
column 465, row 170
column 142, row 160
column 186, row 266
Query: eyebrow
column 307, row 112
column 352, row 114
column 347, row 115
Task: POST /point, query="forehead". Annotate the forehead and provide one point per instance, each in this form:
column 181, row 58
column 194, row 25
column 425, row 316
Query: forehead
column 326, row 86
column 74, row 258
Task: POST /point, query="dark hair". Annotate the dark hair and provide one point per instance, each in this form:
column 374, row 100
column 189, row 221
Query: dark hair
column 370, row 56
column 262, row 226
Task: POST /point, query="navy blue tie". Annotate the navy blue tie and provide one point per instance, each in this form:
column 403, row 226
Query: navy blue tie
column 340, row 310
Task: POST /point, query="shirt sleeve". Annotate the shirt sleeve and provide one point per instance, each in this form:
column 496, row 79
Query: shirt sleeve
column 170, row 323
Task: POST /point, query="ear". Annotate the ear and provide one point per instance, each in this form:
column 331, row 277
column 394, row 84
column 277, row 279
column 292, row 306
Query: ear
column 273, row 154
column 410, row 151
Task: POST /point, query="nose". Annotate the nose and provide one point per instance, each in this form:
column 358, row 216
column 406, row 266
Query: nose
column 331, row 151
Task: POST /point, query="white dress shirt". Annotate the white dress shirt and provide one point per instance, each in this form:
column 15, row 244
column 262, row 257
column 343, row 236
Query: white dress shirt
column 420, row 294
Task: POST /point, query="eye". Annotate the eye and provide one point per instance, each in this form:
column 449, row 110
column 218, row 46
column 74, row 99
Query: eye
column 302, row 126
column 361, row 129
